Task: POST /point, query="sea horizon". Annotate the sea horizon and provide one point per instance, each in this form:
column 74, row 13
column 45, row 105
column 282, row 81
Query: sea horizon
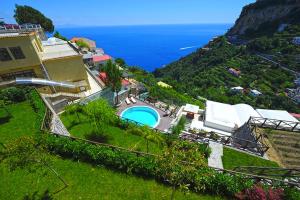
column 148, row 46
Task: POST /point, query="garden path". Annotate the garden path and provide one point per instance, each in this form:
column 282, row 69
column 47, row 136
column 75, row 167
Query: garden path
column 215, row 158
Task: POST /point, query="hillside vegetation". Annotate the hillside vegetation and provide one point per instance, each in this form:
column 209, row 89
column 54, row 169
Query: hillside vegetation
column 204, row 73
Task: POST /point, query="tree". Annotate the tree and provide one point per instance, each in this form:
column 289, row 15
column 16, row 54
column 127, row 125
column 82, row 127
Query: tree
column 180, row 161
column 74, row 109
column 58, row 35
column 27, row 14
column 120, row 62
column 100, row 113
column 114, row 76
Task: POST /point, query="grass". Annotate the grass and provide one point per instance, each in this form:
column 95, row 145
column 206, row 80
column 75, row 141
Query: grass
column 85, row 181
column 232, row 158
column 116, row 136
column 21, row 123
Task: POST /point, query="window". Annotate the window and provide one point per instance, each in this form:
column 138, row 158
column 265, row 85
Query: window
column 4, row 55
column 14, row 75
column 17, row 52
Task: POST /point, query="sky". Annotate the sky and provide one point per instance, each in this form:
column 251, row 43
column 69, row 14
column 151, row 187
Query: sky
column 130, row 12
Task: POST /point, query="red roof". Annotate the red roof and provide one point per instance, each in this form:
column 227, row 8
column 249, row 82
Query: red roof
column 295, row 115
column 125, row 82
column 101, row 58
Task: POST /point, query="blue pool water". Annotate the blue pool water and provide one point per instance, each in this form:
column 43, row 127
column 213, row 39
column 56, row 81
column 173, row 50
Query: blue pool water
column 142, row 114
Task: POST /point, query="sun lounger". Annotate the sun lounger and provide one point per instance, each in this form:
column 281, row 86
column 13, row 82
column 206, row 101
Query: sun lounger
column 127, row 101
column 133, row 100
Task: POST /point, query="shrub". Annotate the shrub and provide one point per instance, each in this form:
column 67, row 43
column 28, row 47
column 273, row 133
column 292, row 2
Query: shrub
column 13, row 94
column 198, row 179
column 291, row 193
column 258, row 192
column 176, row 130
column 214, row 136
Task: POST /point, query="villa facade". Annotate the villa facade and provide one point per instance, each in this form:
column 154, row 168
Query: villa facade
column 24, row 54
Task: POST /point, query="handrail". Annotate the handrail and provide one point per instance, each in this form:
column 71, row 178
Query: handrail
column 275, row 124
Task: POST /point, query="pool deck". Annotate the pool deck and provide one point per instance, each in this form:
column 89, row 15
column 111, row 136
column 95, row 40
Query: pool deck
column 165, row 122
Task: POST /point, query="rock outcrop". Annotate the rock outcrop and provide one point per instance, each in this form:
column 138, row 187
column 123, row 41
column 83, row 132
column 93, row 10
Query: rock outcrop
column 266, row 14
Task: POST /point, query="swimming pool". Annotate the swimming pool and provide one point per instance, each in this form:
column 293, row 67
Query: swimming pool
column 143, row 115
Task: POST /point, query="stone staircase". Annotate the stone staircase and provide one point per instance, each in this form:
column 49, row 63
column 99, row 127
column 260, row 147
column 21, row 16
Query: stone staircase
column 287, row 145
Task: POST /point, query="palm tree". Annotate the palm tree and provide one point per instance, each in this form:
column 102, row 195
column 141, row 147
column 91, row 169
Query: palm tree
column 114, row 76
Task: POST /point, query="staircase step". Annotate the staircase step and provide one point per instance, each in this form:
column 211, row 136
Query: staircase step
column 292, row 161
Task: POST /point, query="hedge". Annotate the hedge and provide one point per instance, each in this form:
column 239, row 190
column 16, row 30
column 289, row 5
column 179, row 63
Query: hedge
column 204, row 180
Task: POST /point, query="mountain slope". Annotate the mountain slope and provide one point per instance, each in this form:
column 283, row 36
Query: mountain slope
column 205, row 72
column 265, row 16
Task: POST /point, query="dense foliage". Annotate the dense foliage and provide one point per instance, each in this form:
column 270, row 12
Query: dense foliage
column 27, row 14
column 13, row 95
column 200, row 180
column 205, row 73
column 179, row 126
column 167, row 95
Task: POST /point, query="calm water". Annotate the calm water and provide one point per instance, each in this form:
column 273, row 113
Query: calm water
column 143, row 115
column 150, row 46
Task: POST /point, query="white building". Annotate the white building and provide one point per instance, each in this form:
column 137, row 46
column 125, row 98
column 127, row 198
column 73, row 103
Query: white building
column 237, row 89
column 255, row 93
column 226, row 117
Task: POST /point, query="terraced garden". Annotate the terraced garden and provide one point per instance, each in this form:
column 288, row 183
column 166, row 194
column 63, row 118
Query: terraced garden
column 287, row 144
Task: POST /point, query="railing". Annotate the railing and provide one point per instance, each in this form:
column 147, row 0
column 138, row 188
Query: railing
column 274, row 124
column 230, row 141
column 271, row 171
column 154, row 104
column 128, row 121
column 16, row 27
column 257, row 178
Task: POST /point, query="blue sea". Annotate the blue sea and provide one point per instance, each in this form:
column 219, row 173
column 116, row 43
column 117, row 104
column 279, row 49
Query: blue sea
column 148, row 46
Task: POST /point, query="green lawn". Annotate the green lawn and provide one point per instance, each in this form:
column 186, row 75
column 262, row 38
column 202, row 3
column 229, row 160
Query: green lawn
column 116, row 136
column 22, row 122
column 86, row 182
column 232, row 158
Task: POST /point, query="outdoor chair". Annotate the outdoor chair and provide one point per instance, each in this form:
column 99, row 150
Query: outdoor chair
column 133, row 100
column 127, row 101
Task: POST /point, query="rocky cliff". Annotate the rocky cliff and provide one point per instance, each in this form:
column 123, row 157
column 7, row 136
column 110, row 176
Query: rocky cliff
column 266, row 15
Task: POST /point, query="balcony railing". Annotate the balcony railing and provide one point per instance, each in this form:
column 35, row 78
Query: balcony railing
column 19, row 28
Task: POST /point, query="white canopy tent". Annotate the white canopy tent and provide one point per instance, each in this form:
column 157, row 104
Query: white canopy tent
column 276, row 114
column 226, row 117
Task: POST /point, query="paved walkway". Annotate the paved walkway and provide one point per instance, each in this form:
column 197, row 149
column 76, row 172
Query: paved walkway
column 215, row 158
column 58, row 127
